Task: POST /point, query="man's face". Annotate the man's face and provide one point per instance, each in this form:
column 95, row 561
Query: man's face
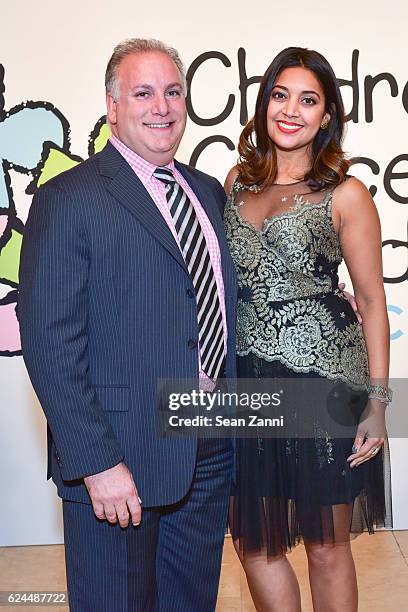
column 150, row 113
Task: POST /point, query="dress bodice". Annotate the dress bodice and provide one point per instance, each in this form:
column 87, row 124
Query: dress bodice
column 289, row 305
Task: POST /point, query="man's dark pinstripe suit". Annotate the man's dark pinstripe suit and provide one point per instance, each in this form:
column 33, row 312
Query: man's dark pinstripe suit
column 105, row 310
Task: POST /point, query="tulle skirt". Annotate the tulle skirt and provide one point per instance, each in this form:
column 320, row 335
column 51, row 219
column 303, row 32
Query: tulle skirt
column 288, row 490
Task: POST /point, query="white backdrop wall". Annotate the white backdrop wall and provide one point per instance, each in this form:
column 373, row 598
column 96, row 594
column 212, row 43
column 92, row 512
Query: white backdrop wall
column 56, row 53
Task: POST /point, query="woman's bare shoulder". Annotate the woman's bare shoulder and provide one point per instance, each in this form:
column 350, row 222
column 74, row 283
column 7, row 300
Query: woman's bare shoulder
column 229, row 181
column 352, row 190
column 354, row 203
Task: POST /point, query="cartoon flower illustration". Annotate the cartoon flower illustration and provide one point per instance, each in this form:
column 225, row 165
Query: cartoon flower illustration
column 34, row 140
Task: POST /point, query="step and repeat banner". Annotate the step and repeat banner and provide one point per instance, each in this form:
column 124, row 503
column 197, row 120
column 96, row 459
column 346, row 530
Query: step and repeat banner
column 52, row 116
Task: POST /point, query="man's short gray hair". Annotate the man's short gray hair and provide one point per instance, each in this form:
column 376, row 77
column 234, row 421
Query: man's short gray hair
column 138, row 45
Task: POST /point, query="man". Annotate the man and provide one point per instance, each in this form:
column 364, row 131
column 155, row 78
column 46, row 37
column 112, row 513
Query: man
column 126, row 279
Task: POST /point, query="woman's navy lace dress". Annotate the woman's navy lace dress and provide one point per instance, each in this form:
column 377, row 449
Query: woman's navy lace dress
column 293, row 321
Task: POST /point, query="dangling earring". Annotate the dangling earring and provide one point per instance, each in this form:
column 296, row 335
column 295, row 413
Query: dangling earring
column 325, row 123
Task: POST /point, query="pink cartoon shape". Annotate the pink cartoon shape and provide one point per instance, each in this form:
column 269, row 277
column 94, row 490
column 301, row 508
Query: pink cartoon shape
column 9, row 329
column 3, row 224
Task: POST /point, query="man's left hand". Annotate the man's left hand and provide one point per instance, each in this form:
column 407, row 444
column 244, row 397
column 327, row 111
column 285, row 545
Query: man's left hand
column 352, row 301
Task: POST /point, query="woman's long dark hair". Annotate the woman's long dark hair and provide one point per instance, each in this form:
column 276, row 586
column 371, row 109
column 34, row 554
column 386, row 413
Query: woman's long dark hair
column 257, row 155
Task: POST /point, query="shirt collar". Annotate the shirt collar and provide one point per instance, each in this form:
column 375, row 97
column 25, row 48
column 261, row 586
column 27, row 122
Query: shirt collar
column 141, row 166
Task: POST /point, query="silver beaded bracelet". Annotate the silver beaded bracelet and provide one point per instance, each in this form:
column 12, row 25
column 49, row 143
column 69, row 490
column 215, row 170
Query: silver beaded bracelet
column 380, row 392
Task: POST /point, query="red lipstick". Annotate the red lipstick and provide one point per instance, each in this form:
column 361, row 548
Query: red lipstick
column 288, row 127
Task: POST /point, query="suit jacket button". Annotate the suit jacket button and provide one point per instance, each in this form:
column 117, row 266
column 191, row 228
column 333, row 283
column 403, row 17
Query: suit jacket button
column 190, row 293
column 191, row 344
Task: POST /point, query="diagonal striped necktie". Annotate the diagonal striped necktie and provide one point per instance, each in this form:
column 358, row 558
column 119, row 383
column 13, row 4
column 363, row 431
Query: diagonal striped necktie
column 195, row 252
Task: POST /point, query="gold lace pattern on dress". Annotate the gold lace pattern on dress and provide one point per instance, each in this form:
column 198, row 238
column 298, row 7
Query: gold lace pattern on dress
column 289, row 306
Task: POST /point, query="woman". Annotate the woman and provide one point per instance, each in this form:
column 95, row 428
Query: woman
column 292, row 215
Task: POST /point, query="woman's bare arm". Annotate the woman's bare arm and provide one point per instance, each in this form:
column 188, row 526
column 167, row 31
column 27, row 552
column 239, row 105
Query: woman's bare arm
column 358, row 225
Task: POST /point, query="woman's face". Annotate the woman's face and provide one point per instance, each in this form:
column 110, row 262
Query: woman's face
column 296, row 109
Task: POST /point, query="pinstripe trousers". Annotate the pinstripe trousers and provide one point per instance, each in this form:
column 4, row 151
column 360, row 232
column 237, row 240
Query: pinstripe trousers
column 171, row 562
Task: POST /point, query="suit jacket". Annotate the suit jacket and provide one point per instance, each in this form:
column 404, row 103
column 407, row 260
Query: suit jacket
column 106, row 309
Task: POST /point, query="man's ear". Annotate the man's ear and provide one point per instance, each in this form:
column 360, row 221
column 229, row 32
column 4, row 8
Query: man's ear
column 111, row 108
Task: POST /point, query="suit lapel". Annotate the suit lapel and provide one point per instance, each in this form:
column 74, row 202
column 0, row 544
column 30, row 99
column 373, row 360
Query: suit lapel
column 127, row 189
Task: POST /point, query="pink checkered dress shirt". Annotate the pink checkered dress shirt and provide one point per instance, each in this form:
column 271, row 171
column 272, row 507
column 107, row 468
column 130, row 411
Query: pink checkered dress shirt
column 156, row 189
